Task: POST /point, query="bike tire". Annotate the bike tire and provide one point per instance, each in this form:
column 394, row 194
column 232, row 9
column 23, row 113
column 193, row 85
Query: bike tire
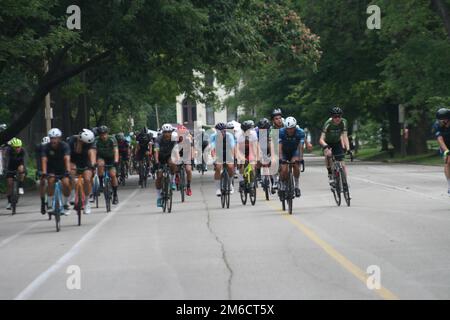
column 252, row 192
column 182, row 184
column 14, row 198
column 80, row 204
column 107, row 193
column 165, row 192
column 169, row 199
column 337, row 189
column 345, row 188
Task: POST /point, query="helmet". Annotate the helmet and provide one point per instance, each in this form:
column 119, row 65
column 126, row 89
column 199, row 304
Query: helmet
column 251, row 122
column 264, row 123
column 276, row 112
column 102, row 129
column 95, row 131
column 144, row 130
column 3, row 127
column 230, row 125
column 442, row 114
column 87, row 136
column 120, row 136
column 221, row 126
column 167, row 127
column 55, row 133
column 45, row 140
column 291, row 122
column 15, row 143
column 246, row 125
column 336, row 111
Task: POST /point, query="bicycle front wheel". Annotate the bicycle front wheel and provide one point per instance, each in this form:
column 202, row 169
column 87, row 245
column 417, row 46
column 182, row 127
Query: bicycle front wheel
column 345, row 188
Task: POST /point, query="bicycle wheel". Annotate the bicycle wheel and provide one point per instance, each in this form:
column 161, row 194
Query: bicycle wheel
column 141, row 175
column 223, row 188
column 182, row 183
column 290, row 194
column 169, row 200
column 345, row 189
column 266, row 184
column 14, row 197
column 107, row 192
column 337, row 188
column 252, row 190
column 57, row 208
column 243, row 191
column 79, row 203
column 165, row 191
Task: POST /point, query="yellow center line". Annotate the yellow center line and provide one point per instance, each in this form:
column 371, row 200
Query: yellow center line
column 333, row 253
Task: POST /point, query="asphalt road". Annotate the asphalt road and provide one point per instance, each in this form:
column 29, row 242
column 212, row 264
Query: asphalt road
column 398, row 224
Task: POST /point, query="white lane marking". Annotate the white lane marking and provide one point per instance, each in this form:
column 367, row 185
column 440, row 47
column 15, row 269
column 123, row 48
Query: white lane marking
column 399, row 188
column 18, row 234
column 36, row 283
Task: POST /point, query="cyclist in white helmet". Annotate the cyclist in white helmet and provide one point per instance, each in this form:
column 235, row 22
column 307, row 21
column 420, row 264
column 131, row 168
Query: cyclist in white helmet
column 55, row 161
column 83, row 160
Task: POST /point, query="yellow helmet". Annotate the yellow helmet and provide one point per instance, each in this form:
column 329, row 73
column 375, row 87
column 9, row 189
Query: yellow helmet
column 15, row 143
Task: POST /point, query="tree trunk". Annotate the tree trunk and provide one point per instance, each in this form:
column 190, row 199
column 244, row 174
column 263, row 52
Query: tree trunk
column 443, row 11
column 418, row 135
column 394, row 126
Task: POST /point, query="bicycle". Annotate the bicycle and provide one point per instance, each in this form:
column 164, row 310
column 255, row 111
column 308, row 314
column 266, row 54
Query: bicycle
column 249, row 189
column 107, row 188
column 166, row 192
column 225, row 187
column 57, row 203
column 80, row 196
column 340, row 184
column 143, row 173
column 15, row 191
column 181, row 180
column 96, row 189
column 123, row 172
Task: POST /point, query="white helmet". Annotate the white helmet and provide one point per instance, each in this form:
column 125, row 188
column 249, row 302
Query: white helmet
column 55, row 133
column 290, row 122
column 167, row 127
column 45, row 140
column 87, row 136
column 230, row 125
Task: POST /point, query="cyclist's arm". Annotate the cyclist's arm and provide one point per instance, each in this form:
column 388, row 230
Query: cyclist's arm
column 66, row 163
column 44, row 165
column 156, row 154
column 92, row 155
column 344, row 141
column 116, row 154
column 442, row 144
column 322, row 140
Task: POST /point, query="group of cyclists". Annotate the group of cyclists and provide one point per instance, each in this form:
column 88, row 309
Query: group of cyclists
column 267, row 144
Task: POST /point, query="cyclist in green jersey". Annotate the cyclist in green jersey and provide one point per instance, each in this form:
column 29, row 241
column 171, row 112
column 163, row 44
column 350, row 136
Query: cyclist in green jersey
column 107, row 154
column 334, row 139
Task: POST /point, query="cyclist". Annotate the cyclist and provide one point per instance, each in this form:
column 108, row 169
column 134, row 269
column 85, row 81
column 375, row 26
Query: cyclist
column 224, row 155
column 143, row 151
column 187, row 142
column 247, row 148
column 83, row 155
column 107, row 155
column 334, row 139
column 264, row 145
column 291, row 142
column 55, row 161
column 15, row 158
column 164, row 144
column 38, row 154
column 441, row 130
column 124, row 149
column 3, row 127
column 277, row 125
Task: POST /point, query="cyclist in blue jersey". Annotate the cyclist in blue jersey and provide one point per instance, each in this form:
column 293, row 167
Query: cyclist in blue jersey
column 441, row 130
column 291, row 142
column 223, row 149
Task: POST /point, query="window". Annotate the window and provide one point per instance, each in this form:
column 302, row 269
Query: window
column 209, row 115
column 189, row 112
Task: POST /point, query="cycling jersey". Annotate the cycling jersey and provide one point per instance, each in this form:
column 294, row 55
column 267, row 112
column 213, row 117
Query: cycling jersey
column 334, row 131
column 37, row 156
column 80, row 157
column 291, row 143
column 105, row 148
column 441, row 131
column 124, row 148
column 165, row 146
column 14, row 159
column 244, row 140
column 55, row 157
column 227, row 147
column 143, row 140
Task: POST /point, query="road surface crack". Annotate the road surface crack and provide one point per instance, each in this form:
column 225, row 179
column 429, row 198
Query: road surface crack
column 219, row 241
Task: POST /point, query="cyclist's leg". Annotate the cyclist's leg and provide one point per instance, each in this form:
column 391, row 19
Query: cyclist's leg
column 50, row 191
column 87, row 179
column 217, row 175
column 188, row 179
column 296, row 171
column 20, row 177
column 114, row 181
column 66, row 189
column 101, row 171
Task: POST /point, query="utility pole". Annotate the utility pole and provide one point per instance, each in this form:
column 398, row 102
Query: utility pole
column 48, row 109
column 157, row 117
column 401, row 121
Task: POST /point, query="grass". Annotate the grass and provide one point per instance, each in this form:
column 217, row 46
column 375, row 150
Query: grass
column 374, row 154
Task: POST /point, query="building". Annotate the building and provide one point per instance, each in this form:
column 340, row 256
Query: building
column 189, row 111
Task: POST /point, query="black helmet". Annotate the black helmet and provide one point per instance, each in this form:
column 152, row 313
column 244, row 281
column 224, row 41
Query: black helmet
column 95, row 131
column 442, row 114
column 221, row 126
column 144, row 130
column 264, row 123
column 276, row 112
column 102, row 129
column 336, row 111
column 246, row 125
